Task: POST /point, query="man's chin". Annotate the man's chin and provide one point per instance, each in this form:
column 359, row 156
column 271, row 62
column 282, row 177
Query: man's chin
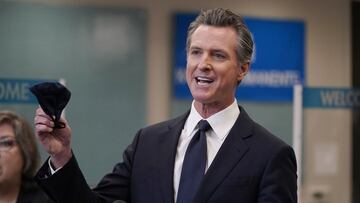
column 202, row 100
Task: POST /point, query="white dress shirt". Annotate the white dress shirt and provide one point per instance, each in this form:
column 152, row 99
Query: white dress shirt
column 220, row 123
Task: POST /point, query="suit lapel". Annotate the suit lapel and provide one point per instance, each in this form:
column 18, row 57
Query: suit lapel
column 168, row 144
column 229, row 154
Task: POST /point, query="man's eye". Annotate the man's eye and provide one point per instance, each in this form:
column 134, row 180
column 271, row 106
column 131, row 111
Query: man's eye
column 195, row 52
column 219, row 56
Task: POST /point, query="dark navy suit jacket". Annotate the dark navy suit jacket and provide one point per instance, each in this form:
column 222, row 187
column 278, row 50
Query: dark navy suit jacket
column 252, row 166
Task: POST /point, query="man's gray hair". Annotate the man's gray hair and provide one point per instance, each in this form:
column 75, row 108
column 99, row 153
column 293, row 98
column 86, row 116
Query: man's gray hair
column 225, row 18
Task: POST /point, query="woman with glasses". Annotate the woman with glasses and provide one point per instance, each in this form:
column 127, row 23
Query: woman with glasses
column 19, row 160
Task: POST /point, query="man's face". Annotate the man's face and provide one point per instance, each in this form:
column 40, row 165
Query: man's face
column 213, row 70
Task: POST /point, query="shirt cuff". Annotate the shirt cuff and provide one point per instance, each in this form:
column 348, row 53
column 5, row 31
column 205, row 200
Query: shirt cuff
column 52, row 171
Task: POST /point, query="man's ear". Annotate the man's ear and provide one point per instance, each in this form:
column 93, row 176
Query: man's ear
column 244, row 69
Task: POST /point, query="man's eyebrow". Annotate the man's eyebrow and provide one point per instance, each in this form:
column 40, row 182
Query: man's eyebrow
column 195, row 47
column 218, row 50
column 223, row 51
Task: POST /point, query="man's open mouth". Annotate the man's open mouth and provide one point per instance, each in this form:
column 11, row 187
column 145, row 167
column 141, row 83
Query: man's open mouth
column 203, row 80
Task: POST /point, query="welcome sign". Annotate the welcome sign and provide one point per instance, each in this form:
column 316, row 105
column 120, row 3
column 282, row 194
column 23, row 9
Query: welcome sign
column 318, row 97
column 17, row 91
column 277, row 65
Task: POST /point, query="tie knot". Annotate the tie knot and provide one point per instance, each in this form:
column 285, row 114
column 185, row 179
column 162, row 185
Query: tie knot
column 204, row 125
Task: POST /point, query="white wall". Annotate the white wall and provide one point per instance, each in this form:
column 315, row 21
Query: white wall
column 328, row 63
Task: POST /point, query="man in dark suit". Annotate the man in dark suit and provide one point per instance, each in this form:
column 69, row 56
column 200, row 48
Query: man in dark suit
column 227, row 157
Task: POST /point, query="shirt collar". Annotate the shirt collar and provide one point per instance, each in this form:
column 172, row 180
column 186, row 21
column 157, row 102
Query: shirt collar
column 221, row 122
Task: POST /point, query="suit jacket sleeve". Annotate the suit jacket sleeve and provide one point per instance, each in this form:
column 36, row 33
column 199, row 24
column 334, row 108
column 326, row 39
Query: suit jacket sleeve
column 69, row 185
column 279, row 179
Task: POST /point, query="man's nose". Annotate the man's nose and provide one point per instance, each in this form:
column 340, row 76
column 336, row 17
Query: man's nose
column 205, row 63
column 205, row 66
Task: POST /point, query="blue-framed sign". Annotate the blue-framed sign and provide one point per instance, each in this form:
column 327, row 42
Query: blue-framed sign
column 278, row 62
column 17, row 91
column 321, row 97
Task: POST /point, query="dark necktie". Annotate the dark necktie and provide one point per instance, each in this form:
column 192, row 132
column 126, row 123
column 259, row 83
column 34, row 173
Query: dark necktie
column 194, row 164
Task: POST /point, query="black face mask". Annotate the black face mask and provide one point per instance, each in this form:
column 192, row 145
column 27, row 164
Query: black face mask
column 52, row 97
